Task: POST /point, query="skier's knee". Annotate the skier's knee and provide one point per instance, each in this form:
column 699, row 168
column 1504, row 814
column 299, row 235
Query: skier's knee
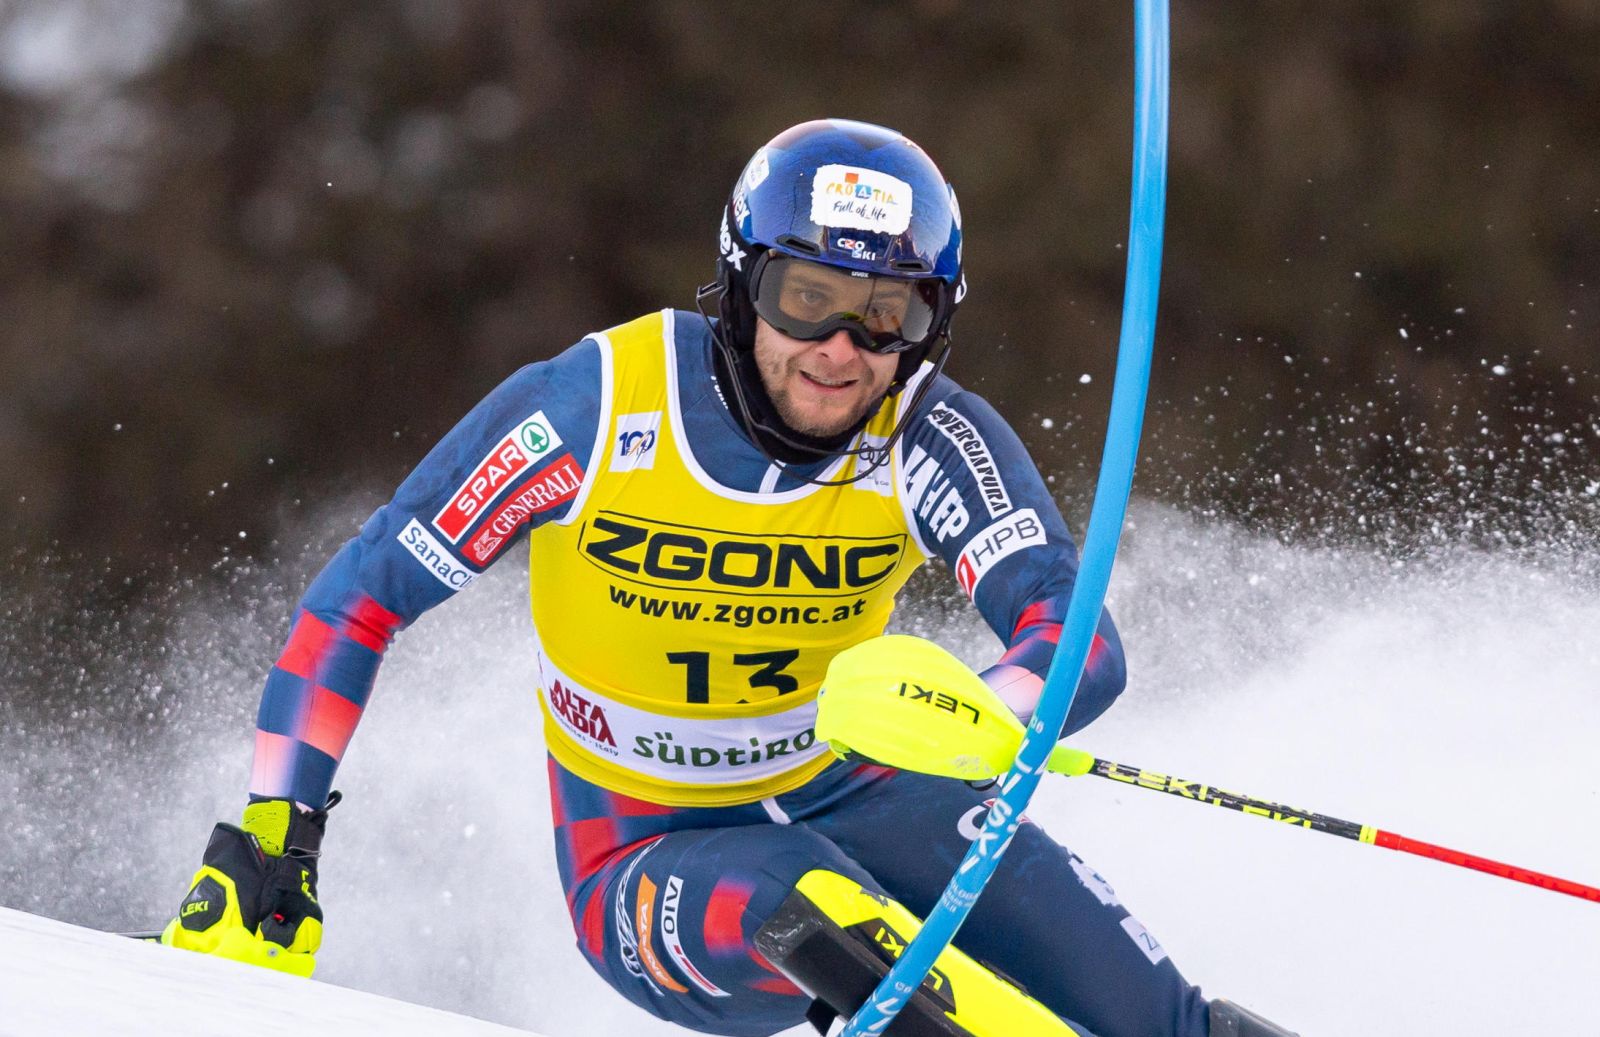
column 835, row 939
column 791, row 852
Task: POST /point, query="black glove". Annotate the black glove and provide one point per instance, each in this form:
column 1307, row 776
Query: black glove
column 254, row 898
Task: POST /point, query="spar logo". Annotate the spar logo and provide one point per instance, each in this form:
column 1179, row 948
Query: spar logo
column 627, row 940
column 555, row 485
column 677, row 557
column 519, row 450
column 580, row 716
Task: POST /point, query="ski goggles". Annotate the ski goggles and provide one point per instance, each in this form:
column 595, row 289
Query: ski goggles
column 881, row 314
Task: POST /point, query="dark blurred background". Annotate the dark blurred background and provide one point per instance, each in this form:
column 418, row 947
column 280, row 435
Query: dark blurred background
column 259, row 255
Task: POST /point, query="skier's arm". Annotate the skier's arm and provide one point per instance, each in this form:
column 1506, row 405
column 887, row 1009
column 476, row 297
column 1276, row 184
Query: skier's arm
column 515, row 461
column 980, row 504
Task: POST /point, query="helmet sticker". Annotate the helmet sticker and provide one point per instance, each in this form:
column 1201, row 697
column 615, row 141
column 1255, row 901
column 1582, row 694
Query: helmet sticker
column 756, row 172
column 865, row 199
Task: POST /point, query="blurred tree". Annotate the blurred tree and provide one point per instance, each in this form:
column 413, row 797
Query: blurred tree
column 258, row 252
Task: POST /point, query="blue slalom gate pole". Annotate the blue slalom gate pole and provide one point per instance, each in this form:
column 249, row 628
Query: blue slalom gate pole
column 1134, row 351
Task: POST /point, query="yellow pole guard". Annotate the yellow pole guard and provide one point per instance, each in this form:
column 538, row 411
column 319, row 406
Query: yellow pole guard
column 906, row 702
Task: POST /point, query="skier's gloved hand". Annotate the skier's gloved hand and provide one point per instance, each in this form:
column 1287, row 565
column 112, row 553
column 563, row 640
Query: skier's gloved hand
column 254, row 898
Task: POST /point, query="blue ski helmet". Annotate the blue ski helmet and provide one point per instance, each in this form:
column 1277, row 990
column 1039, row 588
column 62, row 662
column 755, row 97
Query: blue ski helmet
column 849, row 195
column 853, row 196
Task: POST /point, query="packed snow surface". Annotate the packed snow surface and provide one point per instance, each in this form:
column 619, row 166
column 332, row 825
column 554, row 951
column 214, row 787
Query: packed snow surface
column 1451, row 695
column 60, row 979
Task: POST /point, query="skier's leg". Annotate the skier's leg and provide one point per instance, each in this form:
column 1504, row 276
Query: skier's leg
column 672, row 916
column 666, row 903
column 1046, row 919
column 836, row 940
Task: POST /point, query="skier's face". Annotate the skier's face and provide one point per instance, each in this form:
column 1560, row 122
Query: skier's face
column 821, row 388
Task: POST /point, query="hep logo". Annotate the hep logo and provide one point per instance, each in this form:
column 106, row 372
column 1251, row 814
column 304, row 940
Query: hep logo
column 636, row 444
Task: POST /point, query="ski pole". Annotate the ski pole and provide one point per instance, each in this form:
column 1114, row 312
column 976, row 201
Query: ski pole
column 1074, row 761
column 948, row 722
column 1130, row 387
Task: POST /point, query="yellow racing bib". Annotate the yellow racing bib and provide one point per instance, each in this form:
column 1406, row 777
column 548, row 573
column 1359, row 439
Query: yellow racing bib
column 684, row 626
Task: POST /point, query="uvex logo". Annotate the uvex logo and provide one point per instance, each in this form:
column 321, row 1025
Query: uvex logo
column 664, row 554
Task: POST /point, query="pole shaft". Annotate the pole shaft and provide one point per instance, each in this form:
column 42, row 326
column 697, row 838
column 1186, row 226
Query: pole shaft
column 1203, row 793
column 1200, row 792
column 1390, row 840
column 1129, row 390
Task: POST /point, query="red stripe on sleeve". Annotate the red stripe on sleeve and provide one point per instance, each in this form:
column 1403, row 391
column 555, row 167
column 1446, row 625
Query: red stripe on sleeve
column 1097, row 648
column 776, row 985
column 308, row 644
column 370, row 624
column 330, row 722
column 627, row 806
column 1035, row 613
column 558, row 808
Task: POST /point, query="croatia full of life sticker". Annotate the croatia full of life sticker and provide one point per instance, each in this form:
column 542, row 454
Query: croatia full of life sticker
column 862, row 199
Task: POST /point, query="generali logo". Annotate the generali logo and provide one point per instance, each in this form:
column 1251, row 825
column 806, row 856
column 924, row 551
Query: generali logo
column 526, row 444
column 555, row 485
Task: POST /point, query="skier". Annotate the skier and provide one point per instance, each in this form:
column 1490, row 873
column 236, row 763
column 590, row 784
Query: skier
column 715, row 508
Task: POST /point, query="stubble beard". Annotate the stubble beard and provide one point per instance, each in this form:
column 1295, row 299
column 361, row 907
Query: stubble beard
column 799, row 422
